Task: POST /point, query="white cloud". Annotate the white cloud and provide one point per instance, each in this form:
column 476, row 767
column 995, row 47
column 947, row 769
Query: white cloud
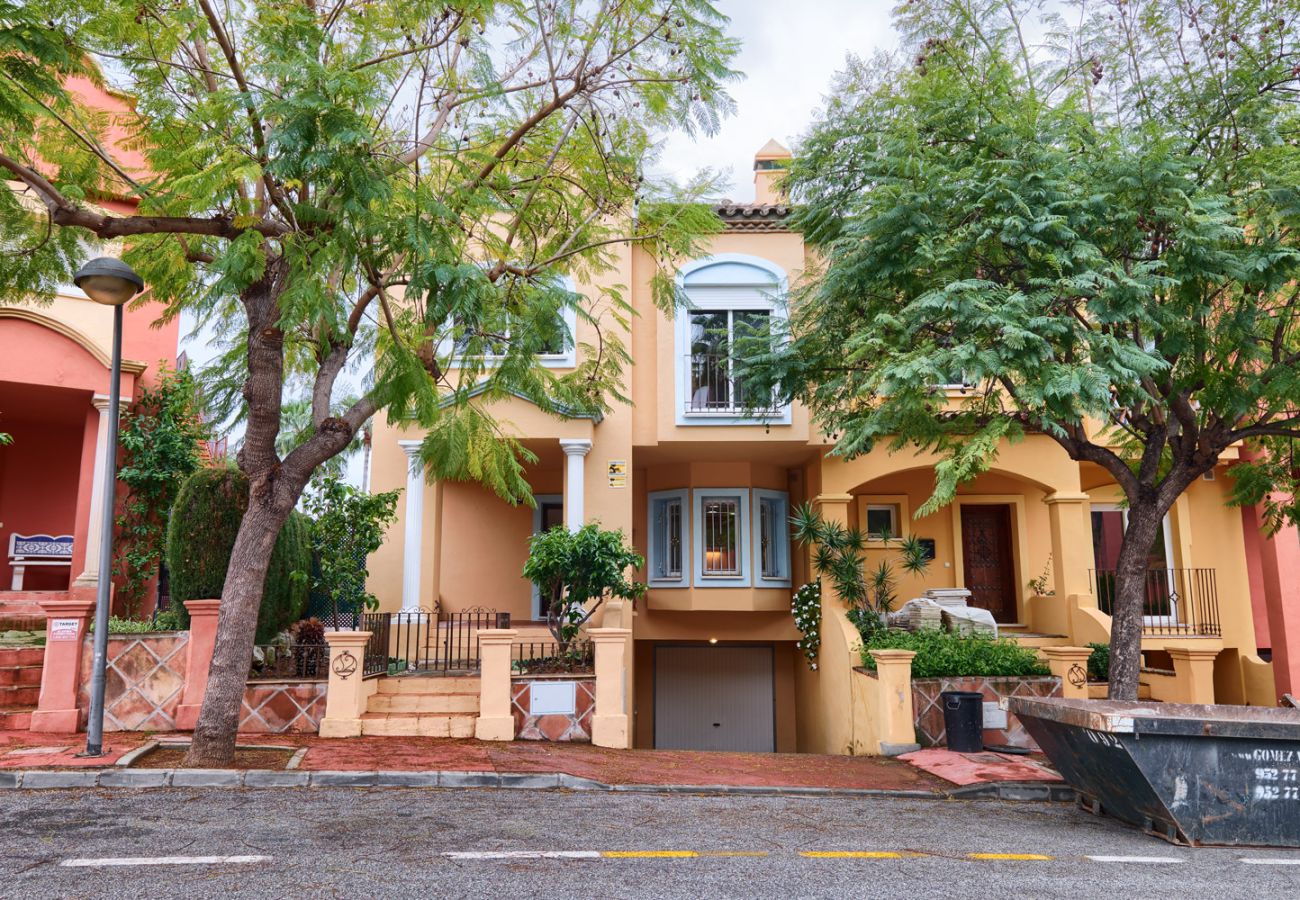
column 789, row 54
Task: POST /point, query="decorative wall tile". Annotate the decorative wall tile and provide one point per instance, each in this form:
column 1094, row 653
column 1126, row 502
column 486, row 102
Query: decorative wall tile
column 574, row 728
column 928, row 708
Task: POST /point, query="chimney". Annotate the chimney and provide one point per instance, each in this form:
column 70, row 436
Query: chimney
column 769, row 167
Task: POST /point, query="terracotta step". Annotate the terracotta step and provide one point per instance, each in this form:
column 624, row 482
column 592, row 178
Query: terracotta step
column 410, row 725
column 15, row 719
column 21, row 656
column 20, row 675
column 430, row 684
column 19, row 695
column 427, row 704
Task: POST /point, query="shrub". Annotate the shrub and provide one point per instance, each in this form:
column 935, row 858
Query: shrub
column 942, row 654
column 201, row 533
column 1099, row 662
column 576, row 571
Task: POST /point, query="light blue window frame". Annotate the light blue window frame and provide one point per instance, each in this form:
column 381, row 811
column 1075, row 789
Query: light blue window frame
column 657, row 536
column 743, row 538
column 779, row 504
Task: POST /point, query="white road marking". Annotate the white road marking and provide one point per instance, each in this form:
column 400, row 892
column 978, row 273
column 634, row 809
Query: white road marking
column 1134, row 859
column 161, row 861
column 1292, row 861
column 523, row 854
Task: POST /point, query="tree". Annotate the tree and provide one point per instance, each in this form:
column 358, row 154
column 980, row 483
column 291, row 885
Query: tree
column 403, row 179
column 1097, row 233
column 575, row 571
column 348, row 525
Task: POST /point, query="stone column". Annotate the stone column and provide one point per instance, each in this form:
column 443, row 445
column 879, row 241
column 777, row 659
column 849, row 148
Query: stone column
column 1194, row 673
column 1070, row 664
column 609, row 722
column 496, row 721
column 198, row 660
column 345, row 698
column 894, row 682
column 413, row 536
column 575, row 452
column 66, row 624
column 1071, row 562
column 90, row 574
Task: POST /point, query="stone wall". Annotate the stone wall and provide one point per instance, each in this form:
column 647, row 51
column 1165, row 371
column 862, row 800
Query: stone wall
column 928, row 708
column 574, row 727
column 145, row 679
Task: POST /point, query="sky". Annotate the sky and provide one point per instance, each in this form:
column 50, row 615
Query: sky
column 790, row 51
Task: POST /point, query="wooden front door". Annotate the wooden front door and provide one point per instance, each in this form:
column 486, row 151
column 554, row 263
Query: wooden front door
column 986, row 557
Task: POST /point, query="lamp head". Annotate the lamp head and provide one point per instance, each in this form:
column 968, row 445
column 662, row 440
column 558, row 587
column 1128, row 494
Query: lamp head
column 108, row 281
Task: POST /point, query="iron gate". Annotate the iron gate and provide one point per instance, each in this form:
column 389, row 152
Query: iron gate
column 427, row 641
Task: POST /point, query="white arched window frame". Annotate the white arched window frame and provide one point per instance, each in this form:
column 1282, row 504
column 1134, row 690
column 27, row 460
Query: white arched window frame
column 721, row 289
column 566, row 359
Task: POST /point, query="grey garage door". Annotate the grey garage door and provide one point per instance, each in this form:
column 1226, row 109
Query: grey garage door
column 714, row 698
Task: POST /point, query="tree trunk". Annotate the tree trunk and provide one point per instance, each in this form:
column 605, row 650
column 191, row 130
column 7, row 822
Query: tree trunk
column 1144, row 523
column 241, row 600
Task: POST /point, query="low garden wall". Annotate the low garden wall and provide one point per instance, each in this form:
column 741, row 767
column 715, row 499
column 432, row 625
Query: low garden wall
column 928, row 708
column 145, row 680
column 553, row 707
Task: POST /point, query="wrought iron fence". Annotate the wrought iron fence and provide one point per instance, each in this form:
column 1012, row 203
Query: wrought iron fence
column 714, row 388
column 546, row 658
column 283, row 662
column 1176, row 601
column 426, row 641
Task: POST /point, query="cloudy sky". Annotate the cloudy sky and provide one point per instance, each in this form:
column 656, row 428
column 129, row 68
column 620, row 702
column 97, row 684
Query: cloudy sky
column 790, row 52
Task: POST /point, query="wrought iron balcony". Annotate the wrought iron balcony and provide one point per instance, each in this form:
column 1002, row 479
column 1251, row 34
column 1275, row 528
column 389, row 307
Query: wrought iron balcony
column 713, row 389
column 1176, row 602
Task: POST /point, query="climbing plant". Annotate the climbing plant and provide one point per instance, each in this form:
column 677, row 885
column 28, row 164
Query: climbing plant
column 806, row 606
column 160, row 440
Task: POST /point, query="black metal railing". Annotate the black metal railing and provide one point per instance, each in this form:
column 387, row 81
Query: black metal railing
column 1176, row 601
column 546, row 658
column 426, row 642
column 283, row 662
column 713, row 388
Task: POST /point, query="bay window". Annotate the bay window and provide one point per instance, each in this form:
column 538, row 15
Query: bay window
column 667, row 557
column 718, row 537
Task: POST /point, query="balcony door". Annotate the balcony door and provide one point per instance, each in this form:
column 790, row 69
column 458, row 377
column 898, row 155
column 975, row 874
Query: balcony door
column 1161, row 604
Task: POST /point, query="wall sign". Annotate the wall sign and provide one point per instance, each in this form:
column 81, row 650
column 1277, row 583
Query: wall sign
column 62, row 629
column 618, row 473
column 552, row 698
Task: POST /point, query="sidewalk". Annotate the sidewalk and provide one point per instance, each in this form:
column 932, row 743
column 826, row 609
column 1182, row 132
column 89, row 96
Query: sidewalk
column 650, row 768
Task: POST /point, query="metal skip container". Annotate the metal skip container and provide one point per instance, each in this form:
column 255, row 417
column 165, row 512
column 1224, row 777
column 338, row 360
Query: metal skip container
column 1214, row 775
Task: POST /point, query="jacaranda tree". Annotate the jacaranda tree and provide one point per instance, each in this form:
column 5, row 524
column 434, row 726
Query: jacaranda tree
column 393, row 180
column 1090, row 219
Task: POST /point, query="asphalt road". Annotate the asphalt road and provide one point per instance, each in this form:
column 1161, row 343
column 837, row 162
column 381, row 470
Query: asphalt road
column 349, row 842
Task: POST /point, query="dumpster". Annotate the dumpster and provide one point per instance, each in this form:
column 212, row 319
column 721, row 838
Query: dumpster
column 963, row 720
column 1197, row 775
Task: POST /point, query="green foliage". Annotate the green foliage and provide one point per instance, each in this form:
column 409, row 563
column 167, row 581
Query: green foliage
column 944, row 654
column 160, row 439
column 1099, row 662
column 576, row 571
column 348, row 525
column 201, row 533
column 1042, row 585
column 839, row 554
column 128, row 625
column 806, row 606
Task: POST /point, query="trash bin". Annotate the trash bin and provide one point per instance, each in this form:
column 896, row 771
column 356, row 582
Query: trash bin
column 963, row 720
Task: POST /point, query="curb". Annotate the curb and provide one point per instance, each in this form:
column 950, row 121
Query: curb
column 138, row 779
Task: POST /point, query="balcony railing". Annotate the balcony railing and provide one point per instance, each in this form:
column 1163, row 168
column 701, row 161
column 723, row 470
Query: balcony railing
column 1177, row 601
column 712, row 388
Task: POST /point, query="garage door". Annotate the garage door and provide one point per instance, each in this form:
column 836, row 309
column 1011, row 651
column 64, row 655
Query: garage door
column 714, row 698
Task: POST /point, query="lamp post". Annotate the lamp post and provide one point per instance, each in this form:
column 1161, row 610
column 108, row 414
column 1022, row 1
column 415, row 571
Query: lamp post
column 110, row 282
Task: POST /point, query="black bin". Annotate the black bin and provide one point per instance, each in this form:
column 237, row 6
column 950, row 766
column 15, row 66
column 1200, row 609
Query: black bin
column 963, row 719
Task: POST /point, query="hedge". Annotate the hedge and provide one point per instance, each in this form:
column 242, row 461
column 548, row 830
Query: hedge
column 942, row 654
column 201, row 534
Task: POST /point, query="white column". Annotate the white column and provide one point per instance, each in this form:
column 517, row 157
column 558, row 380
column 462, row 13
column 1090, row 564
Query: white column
column 89, row 576
column 575, row 452
column 412, row 544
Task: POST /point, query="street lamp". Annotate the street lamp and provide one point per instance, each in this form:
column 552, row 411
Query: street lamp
column 110, row 282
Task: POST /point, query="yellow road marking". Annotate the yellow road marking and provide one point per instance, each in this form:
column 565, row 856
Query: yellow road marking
column 857, row 854
column 648, row 854
column 1031, row 857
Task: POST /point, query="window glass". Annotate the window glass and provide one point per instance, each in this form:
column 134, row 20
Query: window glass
column 773, row 538
column 882, row 519
column 721, row 527
column 713, row 335
column 667, row 553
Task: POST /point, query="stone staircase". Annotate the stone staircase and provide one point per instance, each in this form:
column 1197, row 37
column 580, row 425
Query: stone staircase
column 424, row 705
column 1020, row 633
column 20, row 685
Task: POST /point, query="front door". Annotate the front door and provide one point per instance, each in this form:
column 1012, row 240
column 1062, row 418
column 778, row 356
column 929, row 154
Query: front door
column 548, row 514
column 986, row 557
